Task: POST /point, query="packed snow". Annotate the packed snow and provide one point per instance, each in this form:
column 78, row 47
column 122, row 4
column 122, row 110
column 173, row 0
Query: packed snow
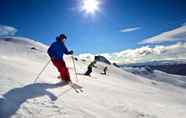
column 120, row 94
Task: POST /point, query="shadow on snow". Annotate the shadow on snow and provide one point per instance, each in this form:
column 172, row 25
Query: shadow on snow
column 14, row 98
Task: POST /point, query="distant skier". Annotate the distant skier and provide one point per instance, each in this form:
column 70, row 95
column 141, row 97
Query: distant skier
column 56, row 52
column 105, row 70
column 89, row 69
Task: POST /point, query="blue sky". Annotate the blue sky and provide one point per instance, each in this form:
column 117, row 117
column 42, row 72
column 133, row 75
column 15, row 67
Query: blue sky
column 119, row 25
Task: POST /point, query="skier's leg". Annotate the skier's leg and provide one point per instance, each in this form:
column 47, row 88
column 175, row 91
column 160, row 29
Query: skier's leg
column 57, row 65
column 89, row 71
column 86, row 73
column 64, row 71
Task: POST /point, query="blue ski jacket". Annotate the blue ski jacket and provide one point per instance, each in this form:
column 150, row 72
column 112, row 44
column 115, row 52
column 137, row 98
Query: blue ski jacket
column 57, row 50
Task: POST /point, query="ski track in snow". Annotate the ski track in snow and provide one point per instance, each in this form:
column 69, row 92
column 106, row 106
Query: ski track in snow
column 119, row 94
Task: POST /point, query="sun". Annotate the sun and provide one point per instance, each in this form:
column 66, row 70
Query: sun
column 90, row 7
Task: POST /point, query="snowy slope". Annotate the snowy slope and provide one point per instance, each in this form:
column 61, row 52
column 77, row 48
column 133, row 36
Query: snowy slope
column 120, row 94
column 176, row 80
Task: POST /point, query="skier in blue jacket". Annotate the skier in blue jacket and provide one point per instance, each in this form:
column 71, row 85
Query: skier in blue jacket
column 56, row 52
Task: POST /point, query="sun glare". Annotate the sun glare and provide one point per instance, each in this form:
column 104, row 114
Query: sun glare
column 90, row 6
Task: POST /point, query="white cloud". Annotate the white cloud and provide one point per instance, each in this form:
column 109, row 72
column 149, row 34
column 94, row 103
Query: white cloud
column 130, row 29
column 7, row 30
column 178, row 34
column 146, row 53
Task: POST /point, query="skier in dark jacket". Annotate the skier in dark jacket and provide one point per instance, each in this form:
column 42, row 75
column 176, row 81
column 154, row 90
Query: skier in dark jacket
column 56, row 52
column 89, row 69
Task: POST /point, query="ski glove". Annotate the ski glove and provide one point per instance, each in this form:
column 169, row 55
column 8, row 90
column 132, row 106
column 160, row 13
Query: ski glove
column 71, row 52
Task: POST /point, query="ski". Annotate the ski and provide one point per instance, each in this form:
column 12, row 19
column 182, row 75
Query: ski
column 77, row 88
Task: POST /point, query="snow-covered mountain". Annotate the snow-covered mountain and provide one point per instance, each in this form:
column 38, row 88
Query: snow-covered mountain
column 176, row 67
column 120, row 94
column 157, row 75
column 146, row 54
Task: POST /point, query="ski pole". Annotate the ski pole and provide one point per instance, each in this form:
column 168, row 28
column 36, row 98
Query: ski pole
column 74, row 68
column 41, row 71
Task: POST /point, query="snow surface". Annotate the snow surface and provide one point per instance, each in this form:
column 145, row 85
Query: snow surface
column 119, row 94
column 176, row 80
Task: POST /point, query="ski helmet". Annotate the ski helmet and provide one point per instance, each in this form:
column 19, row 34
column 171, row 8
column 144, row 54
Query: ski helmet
column 61, row 36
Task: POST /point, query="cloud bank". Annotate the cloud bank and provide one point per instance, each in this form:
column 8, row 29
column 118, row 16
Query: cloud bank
column 178, row 34
column 7, row 30
column 130, row 29
column 145, row 54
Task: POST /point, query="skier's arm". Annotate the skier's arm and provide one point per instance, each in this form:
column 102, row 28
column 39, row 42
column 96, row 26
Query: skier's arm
column 66, row 51
column 94, row 66
column 49, row 51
